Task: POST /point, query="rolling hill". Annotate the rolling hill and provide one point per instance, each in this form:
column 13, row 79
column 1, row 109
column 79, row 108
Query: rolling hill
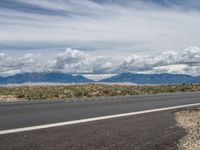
column 153, row 78
column 50, row 77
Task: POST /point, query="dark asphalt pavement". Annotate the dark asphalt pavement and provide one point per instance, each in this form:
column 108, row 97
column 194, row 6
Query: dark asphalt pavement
column 157, row 130
column 20, row 114
column 152, row 131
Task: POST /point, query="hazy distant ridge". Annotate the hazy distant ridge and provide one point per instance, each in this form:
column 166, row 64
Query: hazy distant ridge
column 44, row 77
column 57, row 77
column 153, row 78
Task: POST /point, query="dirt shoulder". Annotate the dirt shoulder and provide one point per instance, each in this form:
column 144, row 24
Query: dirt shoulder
column 190, row 121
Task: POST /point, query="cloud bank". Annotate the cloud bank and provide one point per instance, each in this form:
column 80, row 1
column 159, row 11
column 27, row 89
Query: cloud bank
column 105, row 36
column 76, row 61
column 27, row 63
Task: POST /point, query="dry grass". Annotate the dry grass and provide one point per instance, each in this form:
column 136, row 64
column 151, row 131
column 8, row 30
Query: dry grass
column 89, row 90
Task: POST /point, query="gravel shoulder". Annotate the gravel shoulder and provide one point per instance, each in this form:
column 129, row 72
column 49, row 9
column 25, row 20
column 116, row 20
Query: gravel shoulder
column 190, row 121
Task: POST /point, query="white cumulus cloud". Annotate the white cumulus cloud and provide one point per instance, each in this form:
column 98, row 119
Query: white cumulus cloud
column 76, row 61
column 27, row 63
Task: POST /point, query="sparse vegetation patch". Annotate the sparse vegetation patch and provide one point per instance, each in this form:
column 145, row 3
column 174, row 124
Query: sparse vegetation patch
column 88, row 90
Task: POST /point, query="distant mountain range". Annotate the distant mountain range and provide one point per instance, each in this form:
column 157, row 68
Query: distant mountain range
column 57, row 77
column 153, row 78
column 51, row 77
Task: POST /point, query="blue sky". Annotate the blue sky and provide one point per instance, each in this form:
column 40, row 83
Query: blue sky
column 115, row 30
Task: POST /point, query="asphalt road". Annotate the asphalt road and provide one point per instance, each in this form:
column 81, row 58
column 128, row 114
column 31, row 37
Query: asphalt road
column 20, row 114
column 157, row 130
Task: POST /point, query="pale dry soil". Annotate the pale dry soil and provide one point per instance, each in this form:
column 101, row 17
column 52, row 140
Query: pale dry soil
column 190, row 121
column 8, row 98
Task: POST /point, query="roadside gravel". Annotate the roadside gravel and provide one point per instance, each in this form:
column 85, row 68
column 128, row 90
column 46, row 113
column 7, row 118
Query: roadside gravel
column 190, row 121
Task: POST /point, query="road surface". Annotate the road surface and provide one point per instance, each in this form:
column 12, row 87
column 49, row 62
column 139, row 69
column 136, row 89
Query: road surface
column 154, row 130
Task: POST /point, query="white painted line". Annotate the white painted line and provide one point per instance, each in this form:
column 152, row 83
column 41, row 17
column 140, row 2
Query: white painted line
column 2, row 132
